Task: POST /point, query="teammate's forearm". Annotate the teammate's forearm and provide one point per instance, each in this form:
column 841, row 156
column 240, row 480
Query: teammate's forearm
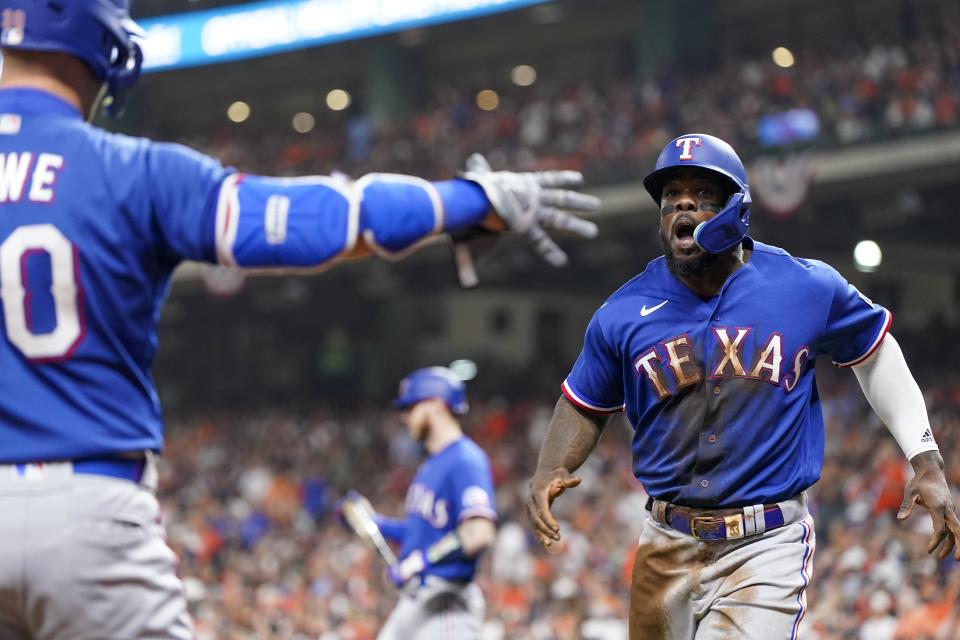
column 398, row 212
column 476, row 535
column 570, row 437
column 896, row 398
column 464, row 204
column 393, row 529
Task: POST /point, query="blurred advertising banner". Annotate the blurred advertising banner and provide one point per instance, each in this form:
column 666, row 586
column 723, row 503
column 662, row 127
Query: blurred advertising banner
column 262, row 28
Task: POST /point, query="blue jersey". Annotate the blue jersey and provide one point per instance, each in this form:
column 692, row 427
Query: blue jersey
column 721, row 391
column 92, row 225
column 451, row 486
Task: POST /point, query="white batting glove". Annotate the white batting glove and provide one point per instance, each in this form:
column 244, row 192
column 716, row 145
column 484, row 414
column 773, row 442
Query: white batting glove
column 413, row 565
column 528, row 202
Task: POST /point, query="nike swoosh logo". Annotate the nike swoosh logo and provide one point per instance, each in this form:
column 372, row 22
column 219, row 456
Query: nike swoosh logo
column 645, row 312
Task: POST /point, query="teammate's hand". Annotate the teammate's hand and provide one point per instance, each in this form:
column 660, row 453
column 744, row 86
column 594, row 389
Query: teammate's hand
column 351, row 496
column 528, row 202
column 545, row 487
column 929, row 489
column 413, row 565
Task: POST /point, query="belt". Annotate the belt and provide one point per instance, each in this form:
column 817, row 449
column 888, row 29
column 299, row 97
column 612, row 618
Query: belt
column 715, row 525
column 125, row 468
column 413, row 585
column 131, row 469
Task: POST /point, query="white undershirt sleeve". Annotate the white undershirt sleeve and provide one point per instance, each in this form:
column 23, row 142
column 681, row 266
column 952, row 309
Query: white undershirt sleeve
column 896, row 398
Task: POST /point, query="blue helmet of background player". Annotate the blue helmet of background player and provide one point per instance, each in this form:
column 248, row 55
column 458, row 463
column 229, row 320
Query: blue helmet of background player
column 99, row 32
column 725, row 230
column 433, row 382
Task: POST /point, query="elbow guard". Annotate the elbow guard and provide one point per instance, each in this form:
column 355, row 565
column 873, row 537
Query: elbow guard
column 285, row 222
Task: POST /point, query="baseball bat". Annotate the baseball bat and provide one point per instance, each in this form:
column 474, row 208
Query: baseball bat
column 358, row 512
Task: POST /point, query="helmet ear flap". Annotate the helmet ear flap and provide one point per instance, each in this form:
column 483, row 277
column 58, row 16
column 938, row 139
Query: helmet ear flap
column 725, row 230
column 122, row 76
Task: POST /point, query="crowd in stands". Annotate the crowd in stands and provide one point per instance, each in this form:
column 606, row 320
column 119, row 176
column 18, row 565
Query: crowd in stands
column 613, row 128
column 248, row 503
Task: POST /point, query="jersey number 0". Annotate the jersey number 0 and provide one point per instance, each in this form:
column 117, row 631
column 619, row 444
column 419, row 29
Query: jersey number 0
column 60, row 341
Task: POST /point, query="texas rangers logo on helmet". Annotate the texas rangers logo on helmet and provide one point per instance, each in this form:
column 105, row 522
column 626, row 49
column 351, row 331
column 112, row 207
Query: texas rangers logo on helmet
column 687, row 144
column 13, row 23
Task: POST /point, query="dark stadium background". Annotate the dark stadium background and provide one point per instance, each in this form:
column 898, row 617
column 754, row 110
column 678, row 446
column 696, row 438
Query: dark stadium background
column 291, row 376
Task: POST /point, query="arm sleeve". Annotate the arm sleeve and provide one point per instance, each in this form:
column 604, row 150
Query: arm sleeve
column 855, row 326
column 596, row 381
column 393, row 529
column 895, row 397
column 472, row 490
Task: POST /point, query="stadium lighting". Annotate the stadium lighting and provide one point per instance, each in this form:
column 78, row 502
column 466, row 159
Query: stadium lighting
column 867, row 256
column 783, row 57
column 523, row 75
column 238, row 112
column 488, row 100
column 464, row 369
column 303, row 122
column 338, row 100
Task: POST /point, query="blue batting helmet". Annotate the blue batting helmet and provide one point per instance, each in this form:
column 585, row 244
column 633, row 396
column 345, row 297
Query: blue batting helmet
column 433, row 382
column 726, row 229
column 99, row 32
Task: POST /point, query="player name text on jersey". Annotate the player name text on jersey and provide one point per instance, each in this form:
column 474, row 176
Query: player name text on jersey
column 17, row 168
column 424, row 501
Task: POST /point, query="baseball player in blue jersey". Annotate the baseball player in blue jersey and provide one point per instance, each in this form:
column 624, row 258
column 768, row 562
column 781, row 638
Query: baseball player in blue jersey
column 710, row 353
column 449, row 517
column 92, row 226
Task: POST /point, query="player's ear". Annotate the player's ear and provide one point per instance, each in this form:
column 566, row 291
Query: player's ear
column 438, row 407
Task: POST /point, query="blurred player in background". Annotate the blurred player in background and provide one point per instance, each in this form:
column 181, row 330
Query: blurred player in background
column 449, row 518
column 710, row 352
column 92, row 226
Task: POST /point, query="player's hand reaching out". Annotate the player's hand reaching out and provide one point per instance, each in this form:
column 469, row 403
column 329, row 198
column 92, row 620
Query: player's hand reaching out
column 545, row 487
column 527, row 203
column 929, row 489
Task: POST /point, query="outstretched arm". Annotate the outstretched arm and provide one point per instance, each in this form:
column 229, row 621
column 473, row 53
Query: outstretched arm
column 571, row 436
column 315, row 222
column 195, row 209
column 894, row 395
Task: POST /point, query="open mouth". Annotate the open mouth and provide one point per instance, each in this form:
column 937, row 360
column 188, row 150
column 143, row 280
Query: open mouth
column 683, row 233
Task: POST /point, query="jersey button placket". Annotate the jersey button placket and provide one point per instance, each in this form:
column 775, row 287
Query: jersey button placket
column 705, row 313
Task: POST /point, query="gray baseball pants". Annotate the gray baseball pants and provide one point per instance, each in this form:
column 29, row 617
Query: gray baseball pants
column 437, row 610
column 753, row 588
column 83, row 557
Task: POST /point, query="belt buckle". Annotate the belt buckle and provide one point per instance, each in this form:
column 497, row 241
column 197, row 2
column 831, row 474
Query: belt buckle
column 707, row 522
